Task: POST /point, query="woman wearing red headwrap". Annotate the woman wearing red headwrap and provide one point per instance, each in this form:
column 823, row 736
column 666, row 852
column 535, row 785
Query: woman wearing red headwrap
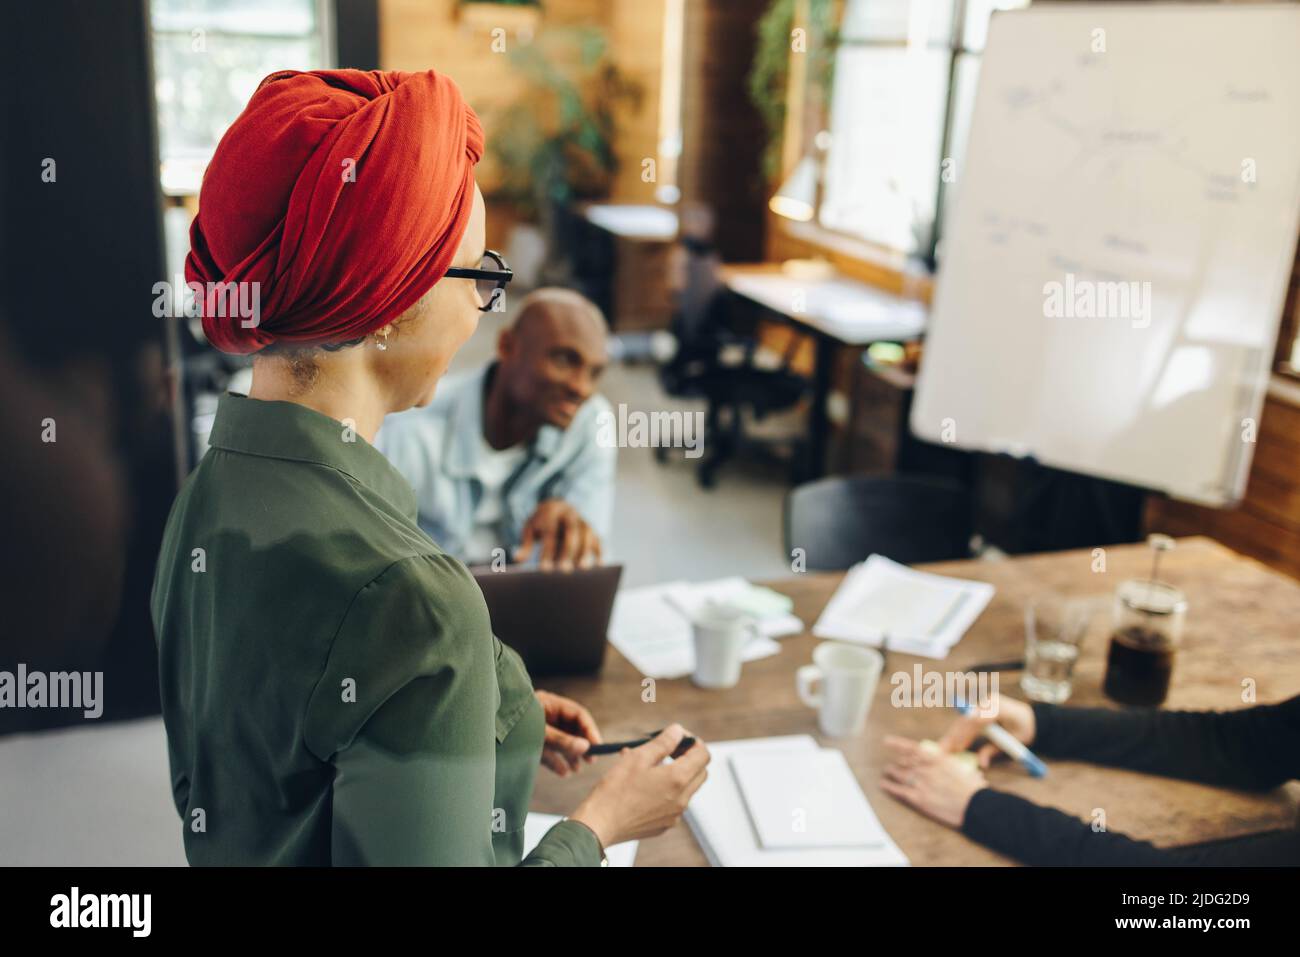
column 331, row 687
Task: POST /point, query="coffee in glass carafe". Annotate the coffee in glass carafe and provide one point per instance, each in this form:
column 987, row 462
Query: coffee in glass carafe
column 1148, row 629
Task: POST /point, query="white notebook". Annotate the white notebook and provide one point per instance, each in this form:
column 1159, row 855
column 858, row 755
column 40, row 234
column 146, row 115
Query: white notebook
column 805, row 799
column 720, row 821
column 883, row 603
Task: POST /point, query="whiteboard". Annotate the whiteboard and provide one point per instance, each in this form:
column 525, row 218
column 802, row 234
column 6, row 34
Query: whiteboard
column 1117, row 255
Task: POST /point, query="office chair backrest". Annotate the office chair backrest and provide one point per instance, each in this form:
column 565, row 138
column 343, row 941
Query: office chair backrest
column 698, row 297
column 840, row 521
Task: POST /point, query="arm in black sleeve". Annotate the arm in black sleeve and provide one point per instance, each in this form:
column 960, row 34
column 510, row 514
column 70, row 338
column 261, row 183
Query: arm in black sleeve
column 1044, row 836
column 1254, row 748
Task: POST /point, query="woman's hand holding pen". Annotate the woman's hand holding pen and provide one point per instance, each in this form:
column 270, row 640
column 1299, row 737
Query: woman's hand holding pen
column 641, row 796
column 932, row 781
column 1014, row 716
column 570, row 731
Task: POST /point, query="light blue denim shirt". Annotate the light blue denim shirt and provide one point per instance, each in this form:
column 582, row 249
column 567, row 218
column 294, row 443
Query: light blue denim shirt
column 438, row 449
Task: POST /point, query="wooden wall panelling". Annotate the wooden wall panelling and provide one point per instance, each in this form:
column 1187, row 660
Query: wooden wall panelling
column 722, row 133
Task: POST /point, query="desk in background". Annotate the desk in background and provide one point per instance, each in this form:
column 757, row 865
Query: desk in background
column 836, row 311
column 645, row 223
column 621, row 262
column 1240, row 624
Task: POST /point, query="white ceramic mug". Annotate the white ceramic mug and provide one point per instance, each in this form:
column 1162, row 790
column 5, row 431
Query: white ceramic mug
column 721, row 633
column 848, row 675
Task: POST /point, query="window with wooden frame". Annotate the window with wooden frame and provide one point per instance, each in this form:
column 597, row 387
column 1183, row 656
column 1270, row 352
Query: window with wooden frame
column 209, row 56
column 900, row 107
column 898, row 113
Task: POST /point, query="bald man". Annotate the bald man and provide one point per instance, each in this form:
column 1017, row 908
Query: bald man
column 504, row 461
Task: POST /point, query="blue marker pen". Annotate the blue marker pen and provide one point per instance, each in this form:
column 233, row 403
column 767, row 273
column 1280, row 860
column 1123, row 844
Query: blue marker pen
column 1010, row 745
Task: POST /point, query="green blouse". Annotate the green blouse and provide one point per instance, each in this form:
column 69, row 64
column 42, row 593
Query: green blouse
column 331, row 687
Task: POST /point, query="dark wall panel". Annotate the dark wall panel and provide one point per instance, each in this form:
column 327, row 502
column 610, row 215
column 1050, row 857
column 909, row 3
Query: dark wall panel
column 81, row 349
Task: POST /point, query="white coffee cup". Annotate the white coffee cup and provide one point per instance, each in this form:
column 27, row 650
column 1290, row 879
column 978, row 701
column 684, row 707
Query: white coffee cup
column 848, row 675
column 721, row 633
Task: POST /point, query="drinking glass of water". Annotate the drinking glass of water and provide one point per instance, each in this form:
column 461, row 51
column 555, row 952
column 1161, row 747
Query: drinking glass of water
column 1054, row 629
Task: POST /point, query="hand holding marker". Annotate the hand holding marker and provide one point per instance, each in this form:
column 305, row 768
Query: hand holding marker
column 1008, row 744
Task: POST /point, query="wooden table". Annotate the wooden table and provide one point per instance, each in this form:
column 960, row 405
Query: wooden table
column 1241, row 624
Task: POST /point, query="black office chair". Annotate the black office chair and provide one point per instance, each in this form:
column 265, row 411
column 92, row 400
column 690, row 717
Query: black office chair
column 840, row 521
column 714, row 363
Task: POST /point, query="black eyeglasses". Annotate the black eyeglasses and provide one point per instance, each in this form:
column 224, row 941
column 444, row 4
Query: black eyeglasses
column 491, row 276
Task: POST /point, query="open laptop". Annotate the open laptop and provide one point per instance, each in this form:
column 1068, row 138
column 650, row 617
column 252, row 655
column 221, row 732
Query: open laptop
column 557, row 621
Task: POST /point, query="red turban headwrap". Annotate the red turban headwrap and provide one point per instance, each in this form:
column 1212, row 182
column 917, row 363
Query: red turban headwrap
column 344, row 194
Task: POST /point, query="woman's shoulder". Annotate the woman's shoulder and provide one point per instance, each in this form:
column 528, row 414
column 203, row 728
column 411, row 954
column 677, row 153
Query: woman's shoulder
column 423, row 610
column 299, row 532
column 426, row 581
column 418, row 631
column 309, row 514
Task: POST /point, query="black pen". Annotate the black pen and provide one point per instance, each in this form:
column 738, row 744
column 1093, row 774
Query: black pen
column 614, row 747
column 1017, row 665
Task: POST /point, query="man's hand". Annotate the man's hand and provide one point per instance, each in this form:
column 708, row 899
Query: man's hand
column 565, row 539
column 570, row 731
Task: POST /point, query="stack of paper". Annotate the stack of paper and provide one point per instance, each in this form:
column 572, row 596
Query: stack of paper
column 784, row 802
column 535, row 828
column 886, row 604
column 769, row 609
column 651, row 626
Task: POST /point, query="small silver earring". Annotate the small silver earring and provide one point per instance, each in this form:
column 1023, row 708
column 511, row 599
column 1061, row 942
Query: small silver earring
column 382, row 344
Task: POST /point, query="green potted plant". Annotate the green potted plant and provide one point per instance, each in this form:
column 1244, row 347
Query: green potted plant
column 770, row 73
column 553, row 145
